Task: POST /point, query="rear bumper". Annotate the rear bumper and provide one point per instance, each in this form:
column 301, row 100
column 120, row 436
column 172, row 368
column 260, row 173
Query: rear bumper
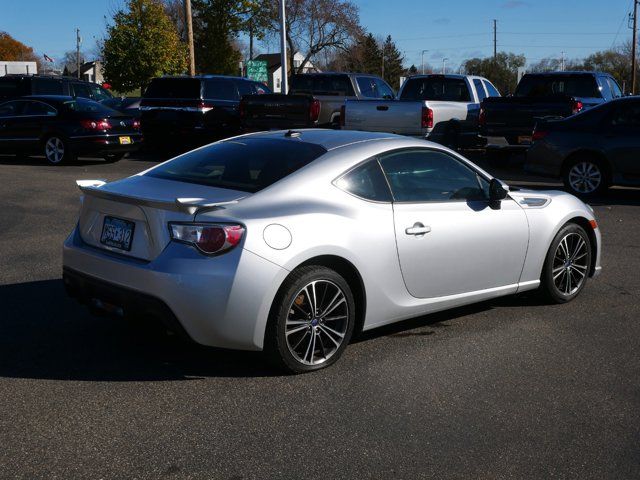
column 103, row 144
column 221, row 301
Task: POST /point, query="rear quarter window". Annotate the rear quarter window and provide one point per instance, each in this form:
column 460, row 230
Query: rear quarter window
column 248, row 165
column 46, row 86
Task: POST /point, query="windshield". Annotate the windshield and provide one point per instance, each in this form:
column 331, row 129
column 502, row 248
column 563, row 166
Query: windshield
column 436, row 88
column 550, row 85
column 248, row 164
column 83, row 105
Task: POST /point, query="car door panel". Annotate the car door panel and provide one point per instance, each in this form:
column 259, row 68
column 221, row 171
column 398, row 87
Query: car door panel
column 622, row 141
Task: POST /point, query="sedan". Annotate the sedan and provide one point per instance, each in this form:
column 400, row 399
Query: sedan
column 590, row 151
column 293, row 242
column 62, row 128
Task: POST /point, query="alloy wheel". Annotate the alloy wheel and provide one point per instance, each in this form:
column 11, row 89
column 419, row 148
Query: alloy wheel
column 570, row 263
column 54, row 150
column 585, row 177
column 317, row 322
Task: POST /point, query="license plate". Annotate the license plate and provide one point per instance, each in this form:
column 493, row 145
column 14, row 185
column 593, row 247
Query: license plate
column 125, row 140
column 117, row 233
column 524, row 139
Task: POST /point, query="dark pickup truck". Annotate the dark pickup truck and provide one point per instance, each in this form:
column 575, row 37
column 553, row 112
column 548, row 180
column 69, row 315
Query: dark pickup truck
column 314, row 100
column 544, row 96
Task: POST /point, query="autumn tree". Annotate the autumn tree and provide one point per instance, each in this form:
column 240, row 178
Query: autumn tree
column 142, row 43
column 12, row 50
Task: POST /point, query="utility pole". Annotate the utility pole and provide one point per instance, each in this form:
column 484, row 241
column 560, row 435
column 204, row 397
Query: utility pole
column 495, row 39
column 423, row 52
column 78, row 42
column 562, row 61
column 444, row 65
column 283, row 47
column 251, row 39
column 188, row 20
column 634, row 65
column 382, row 61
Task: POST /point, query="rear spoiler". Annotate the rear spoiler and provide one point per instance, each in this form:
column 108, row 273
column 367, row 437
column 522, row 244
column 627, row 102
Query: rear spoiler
column 192, row 206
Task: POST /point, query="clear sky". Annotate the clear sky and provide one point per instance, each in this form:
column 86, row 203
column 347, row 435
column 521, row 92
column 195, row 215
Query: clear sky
column 447, row 28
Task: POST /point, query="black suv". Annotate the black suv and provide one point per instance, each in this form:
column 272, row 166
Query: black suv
column 16, row 85
column 188, row 111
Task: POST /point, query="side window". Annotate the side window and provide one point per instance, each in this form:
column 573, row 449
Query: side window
column 491, row 90
column 480, row 89
column 39, row 108
column 605, row 88
column 384, row 90
column 220, row 89
column 367, row 87
column 423, row 175
column 81, row 90
column 46, row 86
column 10, row 109
column 366, row 181
column 615, row 88
column 627, row 115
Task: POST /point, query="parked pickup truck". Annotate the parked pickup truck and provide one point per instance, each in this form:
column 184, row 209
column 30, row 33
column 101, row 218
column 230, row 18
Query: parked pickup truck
column 544, row 96
column 314, row 100
column 441, row 108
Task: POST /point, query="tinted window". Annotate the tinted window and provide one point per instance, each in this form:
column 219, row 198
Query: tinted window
column 248, row 165
column 368, row 87
column 220, row 89
column 173, row 88
column 10, row 109
column 9, row 87
column 626, row 114
column 615, row 88
column 46, row 86
column 480, row 89
column 493, row 91
column 81, row 90
column 431, row 176
column 339, row 85
column 88, row 106
column 98, row 93
column 549, row 85
column 384, row 90
column 38, row 108
column 366, row 181
column 244, row 88
column 605, row 88
column 436, row 88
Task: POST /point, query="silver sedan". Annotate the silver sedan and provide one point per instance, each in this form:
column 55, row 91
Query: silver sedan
column 292, row 242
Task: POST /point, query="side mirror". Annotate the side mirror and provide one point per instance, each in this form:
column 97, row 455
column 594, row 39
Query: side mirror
column 497, row 190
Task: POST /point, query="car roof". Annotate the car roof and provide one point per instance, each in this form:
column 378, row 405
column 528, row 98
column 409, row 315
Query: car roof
column 327, row 138
column 568, row 73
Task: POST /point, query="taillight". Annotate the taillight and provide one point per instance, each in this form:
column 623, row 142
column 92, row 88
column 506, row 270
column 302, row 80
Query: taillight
column 538, row 135
column 210, row 239
column 343, row 115
column 136, row 124
column 314, row 110
column 482, row 118
column 204, row 106
column 95, row 124
column 577, row 106
column 427, row 117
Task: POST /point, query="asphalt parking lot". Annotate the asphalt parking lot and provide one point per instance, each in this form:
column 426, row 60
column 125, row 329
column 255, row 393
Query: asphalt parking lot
column 505, row 389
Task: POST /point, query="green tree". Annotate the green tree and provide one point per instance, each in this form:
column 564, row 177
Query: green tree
column 142, row 43
column 392, row 62
column 501, row 71
column 216, row 24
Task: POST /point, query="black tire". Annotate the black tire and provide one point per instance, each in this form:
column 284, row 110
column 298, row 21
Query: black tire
column 57, row 150
column 114, row 157
column 452, row 136
column 291, row 302
column 580, row 174
column 512, row 140
column 558, row 266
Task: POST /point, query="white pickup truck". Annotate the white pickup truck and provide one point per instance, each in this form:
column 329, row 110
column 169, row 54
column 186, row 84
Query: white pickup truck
column 441, row 108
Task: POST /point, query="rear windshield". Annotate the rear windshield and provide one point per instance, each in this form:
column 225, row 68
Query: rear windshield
column 87, row 106
column 550, row 85
column 220, row 89
column 173, row 88
column 436, row 88
column 339, row 85
column 248, row 164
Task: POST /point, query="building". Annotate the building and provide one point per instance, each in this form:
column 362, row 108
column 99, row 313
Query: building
column 89, row 71
column 7, row 68
column 274, row 68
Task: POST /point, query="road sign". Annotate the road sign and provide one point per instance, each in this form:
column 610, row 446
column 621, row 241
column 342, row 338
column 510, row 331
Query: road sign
column 257, row 70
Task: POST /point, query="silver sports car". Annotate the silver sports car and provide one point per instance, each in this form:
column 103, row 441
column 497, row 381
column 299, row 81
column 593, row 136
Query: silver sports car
column 292, row 242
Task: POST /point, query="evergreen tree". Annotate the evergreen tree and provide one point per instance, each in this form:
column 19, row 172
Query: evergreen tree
column 393, row 59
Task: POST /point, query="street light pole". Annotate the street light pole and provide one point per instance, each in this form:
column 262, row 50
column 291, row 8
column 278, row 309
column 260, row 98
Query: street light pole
column 283, row 47
column 78, row 41
column 423, row 52
column 634, row 66
column 444, row 65
column 189, row 23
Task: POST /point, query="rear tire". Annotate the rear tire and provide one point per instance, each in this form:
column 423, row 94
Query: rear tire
column 57, row 150
column 114, row 157
column 585, row 176
column 311, row 320
column 566, row 267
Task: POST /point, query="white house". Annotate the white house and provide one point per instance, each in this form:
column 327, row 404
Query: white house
column 274, row 68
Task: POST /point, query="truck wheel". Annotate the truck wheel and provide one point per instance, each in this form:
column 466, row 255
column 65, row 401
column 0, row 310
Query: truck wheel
column 452, row 137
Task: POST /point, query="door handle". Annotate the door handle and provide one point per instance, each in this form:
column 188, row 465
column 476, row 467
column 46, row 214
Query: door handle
column 417, row 229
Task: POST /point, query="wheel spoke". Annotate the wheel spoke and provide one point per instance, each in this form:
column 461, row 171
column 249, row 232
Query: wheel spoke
column 296, row 329
column 300, row 340
column 333, row 319
column 323, row 329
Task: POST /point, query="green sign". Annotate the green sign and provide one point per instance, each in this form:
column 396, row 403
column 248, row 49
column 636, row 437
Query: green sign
column 257, row 70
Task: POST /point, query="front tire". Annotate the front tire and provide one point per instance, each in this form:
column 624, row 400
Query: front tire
column 311, row 321
column 567, row 264
column 57, row 150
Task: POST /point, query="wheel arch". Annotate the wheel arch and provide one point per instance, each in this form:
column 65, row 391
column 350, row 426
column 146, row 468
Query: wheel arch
column 587, row 152
column 593, row 243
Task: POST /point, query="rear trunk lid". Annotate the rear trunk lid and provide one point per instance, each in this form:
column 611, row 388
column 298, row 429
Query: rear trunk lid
column 143, row 206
